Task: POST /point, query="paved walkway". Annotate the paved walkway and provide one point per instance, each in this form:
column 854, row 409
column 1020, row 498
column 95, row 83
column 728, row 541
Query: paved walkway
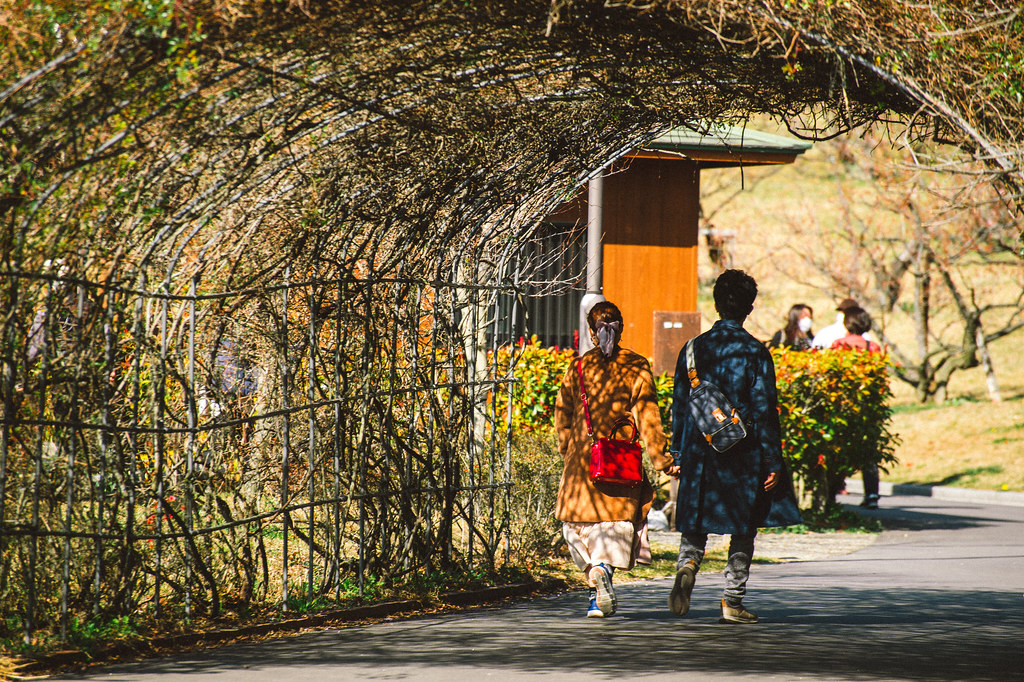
column 937, row 597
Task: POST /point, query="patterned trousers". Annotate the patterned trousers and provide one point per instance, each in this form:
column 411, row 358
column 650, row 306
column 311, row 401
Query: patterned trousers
column 737, row 568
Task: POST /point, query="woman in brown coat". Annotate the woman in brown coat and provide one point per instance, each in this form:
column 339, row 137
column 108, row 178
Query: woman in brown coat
column 605, row 524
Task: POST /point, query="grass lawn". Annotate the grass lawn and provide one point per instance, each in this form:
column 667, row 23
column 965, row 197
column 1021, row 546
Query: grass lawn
column 967, row 443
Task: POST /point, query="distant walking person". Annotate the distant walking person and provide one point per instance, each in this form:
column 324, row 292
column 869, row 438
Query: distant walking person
column 604, row 524
column 858, row 323
column 797, row 333
column 748, row 486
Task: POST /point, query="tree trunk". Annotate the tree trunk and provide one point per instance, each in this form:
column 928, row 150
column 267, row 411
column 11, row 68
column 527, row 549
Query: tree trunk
column 922, row 300
column 820, row 493
column 477, row 308
column 971, row 316
column 986, row 362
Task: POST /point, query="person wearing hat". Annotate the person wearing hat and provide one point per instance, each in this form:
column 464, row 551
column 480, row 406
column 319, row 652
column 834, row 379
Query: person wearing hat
column 837, row 330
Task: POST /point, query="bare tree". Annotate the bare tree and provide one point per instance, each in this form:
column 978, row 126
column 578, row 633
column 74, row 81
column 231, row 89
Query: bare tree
column 718, row 191
column 922, row 244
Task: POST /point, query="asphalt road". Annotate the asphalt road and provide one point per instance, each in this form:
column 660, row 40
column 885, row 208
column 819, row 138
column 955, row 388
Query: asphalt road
column 940, row 596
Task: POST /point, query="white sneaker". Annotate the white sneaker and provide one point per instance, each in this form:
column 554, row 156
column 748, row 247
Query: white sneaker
column 606, row 599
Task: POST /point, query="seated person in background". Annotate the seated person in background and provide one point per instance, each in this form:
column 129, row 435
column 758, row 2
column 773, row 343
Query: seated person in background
column 797, row 332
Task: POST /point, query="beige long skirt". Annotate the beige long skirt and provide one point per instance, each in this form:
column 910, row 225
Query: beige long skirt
column 614, row 543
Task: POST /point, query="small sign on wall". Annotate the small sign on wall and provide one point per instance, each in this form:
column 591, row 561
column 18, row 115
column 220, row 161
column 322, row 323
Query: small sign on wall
column 672, row 329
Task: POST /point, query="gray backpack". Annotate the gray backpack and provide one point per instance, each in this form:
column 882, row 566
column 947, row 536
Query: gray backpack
column 711, row 411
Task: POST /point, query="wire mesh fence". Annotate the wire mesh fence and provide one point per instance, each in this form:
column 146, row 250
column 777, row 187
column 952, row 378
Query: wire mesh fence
column 331, row 433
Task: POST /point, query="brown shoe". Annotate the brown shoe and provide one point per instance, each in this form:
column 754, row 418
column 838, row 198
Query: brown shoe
column 679, row 598
column 736, row 614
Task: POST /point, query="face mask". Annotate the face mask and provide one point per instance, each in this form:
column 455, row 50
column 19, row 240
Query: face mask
column 805, row 324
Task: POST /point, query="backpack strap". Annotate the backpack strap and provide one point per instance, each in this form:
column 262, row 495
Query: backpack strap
column 691, row 364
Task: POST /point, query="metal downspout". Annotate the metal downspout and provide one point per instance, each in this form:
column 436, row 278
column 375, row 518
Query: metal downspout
column 595, row 236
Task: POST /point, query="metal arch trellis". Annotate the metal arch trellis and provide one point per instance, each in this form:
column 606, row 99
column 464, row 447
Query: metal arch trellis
column 253, row 277
column 378, row 481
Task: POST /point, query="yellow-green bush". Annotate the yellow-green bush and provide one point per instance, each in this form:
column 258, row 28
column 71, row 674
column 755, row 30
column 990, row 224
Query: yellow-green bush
column 833, row 407
column 538, row 374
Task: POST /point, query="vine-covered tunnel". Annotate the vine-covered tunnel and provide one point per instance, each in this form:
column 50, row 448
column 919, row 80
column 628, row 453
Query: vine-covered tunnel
column 251, row 252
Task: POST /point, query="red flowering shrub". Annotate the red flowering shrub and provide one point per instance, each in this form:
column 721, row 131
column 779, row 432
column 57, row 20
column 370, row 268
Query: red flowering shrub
column 835, row 415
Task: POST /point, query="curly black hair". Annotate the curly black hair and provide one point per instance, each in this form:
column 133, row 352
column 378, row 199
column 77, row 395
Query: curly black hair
column 734, row 294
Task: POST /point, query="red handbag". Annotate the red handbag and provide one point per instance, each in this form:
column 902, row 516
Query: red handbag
column 612, row 460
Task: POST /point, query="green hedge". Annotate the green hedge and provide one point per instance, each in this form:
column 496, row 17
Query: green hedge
column 538, row 374
column 833, row 407
column 835, row 414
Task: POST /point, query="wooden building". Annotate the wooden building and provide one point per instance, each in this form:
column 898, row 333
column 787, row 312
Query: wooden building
column 645, row 213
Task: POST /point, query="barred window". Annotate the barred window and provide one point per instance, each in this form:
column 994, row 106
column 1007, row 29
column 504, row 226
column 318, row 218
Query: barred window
column 552, row 276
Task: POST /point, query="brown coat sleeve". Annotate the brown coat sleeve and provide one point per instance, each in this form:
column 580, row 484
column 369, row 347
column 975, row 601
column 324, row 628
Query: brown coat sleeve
column 648, row 418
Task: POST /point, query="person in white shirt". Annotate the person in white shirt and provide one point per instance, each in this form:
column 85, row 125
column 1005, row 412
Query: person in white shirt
column 837, row 330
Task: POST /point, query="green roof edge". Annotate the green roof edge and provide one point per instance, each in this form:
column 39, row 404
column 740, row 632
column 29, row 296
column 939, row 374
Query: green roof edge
column 735, row 139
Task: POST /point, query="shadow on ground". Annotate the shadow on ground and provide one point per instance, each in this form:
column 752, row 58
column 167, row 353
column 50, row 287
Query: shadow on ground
column 877, row 614
column 910, row 518
column 836, row 633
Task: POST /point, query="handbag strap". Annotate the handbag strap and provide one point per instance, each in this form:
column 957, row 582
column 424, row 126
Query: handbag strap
column 691, row 373
column 583, row 395
column 619, row 423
